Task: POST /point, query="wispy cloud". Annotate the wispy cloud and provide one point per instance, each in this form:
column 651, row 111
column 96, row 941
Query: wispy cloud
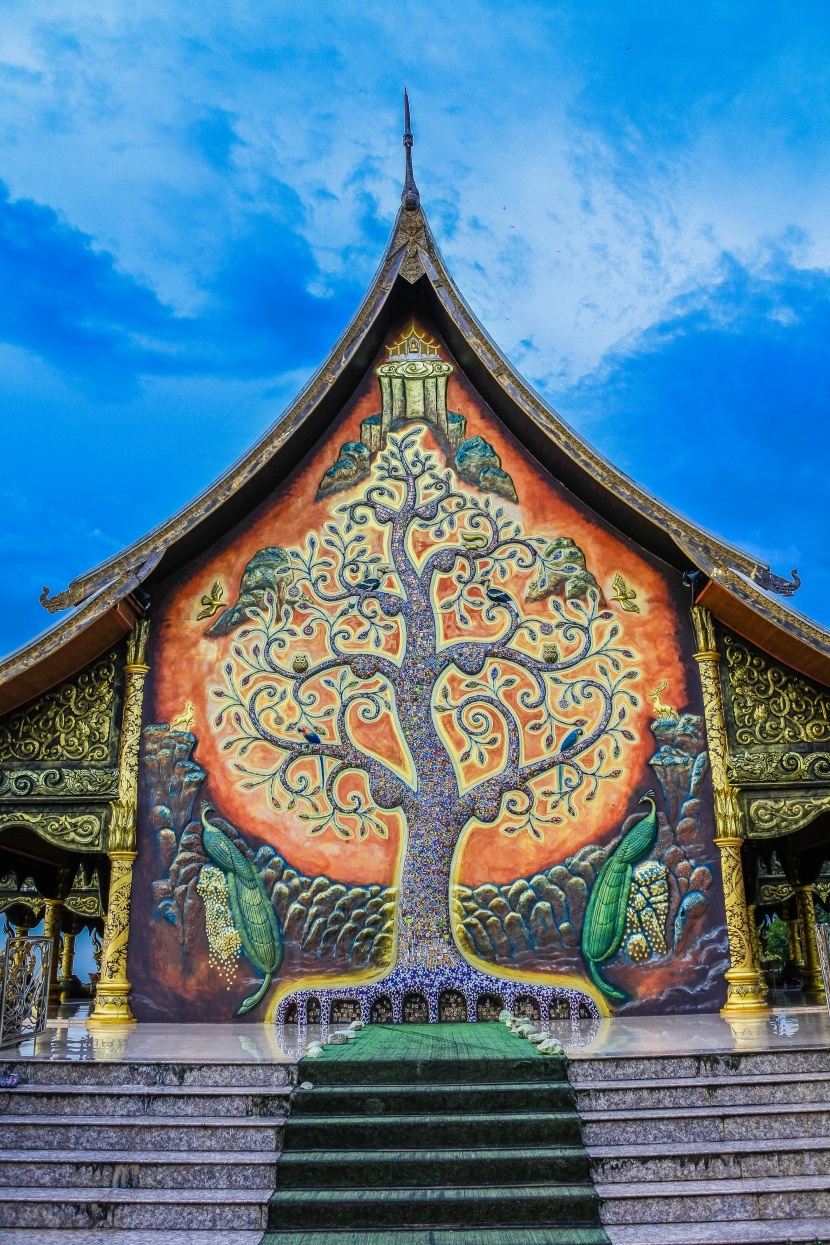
column 70, row 304
column 197, row 195
column 723, row 406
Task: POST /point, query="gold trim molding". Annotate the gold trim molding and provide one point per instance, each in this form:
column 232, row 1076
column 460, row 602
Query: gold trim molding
column 763, row 767
column 52, row 784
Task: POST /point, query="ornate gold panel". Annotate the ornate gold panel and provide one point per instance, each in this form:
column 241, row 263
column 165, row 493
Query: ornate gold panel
column 82, row 832
column 71, row 723
column 771, row 704
column 772, row 816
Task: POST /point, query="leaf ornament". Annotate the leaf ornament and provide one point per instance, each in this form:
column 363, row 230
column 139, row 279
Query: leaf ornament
column 604, row 924
column 252, row 911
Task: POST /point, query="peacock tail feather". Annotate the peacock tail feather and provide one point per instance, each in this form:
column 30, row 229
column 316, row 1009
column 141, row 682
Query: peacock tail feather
column 252, row 911
column 604, row 924
column 602, row 931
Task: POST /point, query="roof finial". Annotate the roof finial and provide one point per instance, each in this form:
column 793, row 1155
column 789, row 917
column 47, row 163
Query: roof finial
column 410, row 197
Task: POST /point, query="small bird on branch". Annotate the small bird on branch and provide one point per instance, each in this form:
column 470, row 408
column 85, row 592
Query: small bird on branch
column 497, row 595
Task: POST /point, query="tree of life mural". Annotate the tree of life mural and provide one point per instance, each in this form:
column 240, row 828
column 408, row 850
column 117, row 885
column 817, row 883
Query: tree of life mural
column 420, row 666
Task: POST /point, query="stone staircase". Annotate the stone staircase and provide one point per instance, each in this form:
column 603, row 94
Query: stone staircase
column 163, row 1149
column 715, row 1150
column 455, row 1151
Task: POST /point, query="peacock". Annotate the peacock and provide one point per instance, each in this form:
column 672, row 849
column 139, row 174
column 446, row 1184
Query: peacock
column 252, row 911
column 604, row 924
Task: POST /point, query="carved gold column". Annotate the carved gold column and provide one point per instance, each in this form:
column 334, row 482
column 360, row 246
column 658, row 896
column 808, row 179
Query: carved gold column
column 53, row 911
column 67, row 963
column 813, row 981
column 754, row 936
column 111, row 1002
column 795, row 944
column 745, row 990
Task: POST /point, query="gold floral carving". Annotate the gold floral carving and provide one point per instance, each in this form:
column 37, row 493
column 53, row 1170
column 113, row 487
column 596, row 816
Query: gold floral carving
column 84, row 905
column 774, row 892
column 778, row 766
column 745, row 989
column 34, row 784
column 785, row 814
column 772, row 705
column 81, row 831
column 112, row 1004
column 71, row 723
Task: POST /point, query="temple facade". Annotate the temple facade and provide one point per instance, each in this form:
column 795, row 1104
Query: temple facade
column 422, row 710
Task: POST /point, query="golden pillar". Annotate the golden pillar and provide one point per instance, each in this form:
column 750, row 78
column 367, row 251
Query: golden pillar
column 111, row 996
column 67, row 964
column 745, row 989
column 795, row 944
column 813, row 981
column 755, row 937
column 53, row 911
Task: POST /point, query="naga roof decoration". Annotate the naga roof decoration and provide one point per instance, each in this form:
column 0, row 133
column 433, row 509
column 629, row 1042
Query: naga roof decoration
column 412, row 277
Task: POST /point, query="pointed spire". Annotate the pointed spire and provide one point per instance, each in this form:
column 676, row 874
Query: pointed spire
column 410, row 198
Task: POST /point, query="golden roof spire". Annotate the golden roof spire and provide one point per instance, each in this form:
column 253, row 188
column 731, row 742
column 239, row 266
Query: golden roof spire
column 410, row 198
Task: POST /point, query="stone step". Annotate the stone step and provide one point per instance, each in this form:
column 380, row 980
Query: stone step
column 136, row 1169
column 255, row 1076
column 642, row 1127
column 714, row 1232
column 716, row 1160
column 532, row 1205
column 704, row 1092
column 771, row 1064
column 551, row 1234
column 434, row 1132
column 143, row 1100
column 329, row 1169
column 137, row 1209
column 431, row 1099
column 427, row 1236
column 524, row 1068
column 661, row 1202
column 81, row 1133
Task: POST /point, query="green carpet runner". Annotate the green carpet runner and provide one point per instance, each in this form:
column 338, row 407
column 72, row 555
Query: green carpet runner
column 434, row 1135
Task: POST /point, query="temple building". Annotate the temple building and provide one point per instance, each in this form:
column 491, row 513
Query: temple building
column 421, row 711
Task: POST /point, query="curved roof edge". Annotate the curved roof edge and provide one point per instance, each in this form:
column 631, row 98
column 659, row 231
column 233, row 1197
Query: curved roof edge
column 412, row 260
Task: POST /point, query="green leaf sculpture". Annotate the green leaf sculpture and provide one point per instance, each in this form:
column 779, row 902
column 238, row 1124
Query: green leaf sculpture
column 604, row 924
column 252, row 911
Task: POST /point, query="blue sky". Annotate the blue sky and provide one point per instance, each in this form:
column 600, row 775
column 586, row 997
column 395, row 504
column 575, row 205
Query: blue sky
column 633, row 197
